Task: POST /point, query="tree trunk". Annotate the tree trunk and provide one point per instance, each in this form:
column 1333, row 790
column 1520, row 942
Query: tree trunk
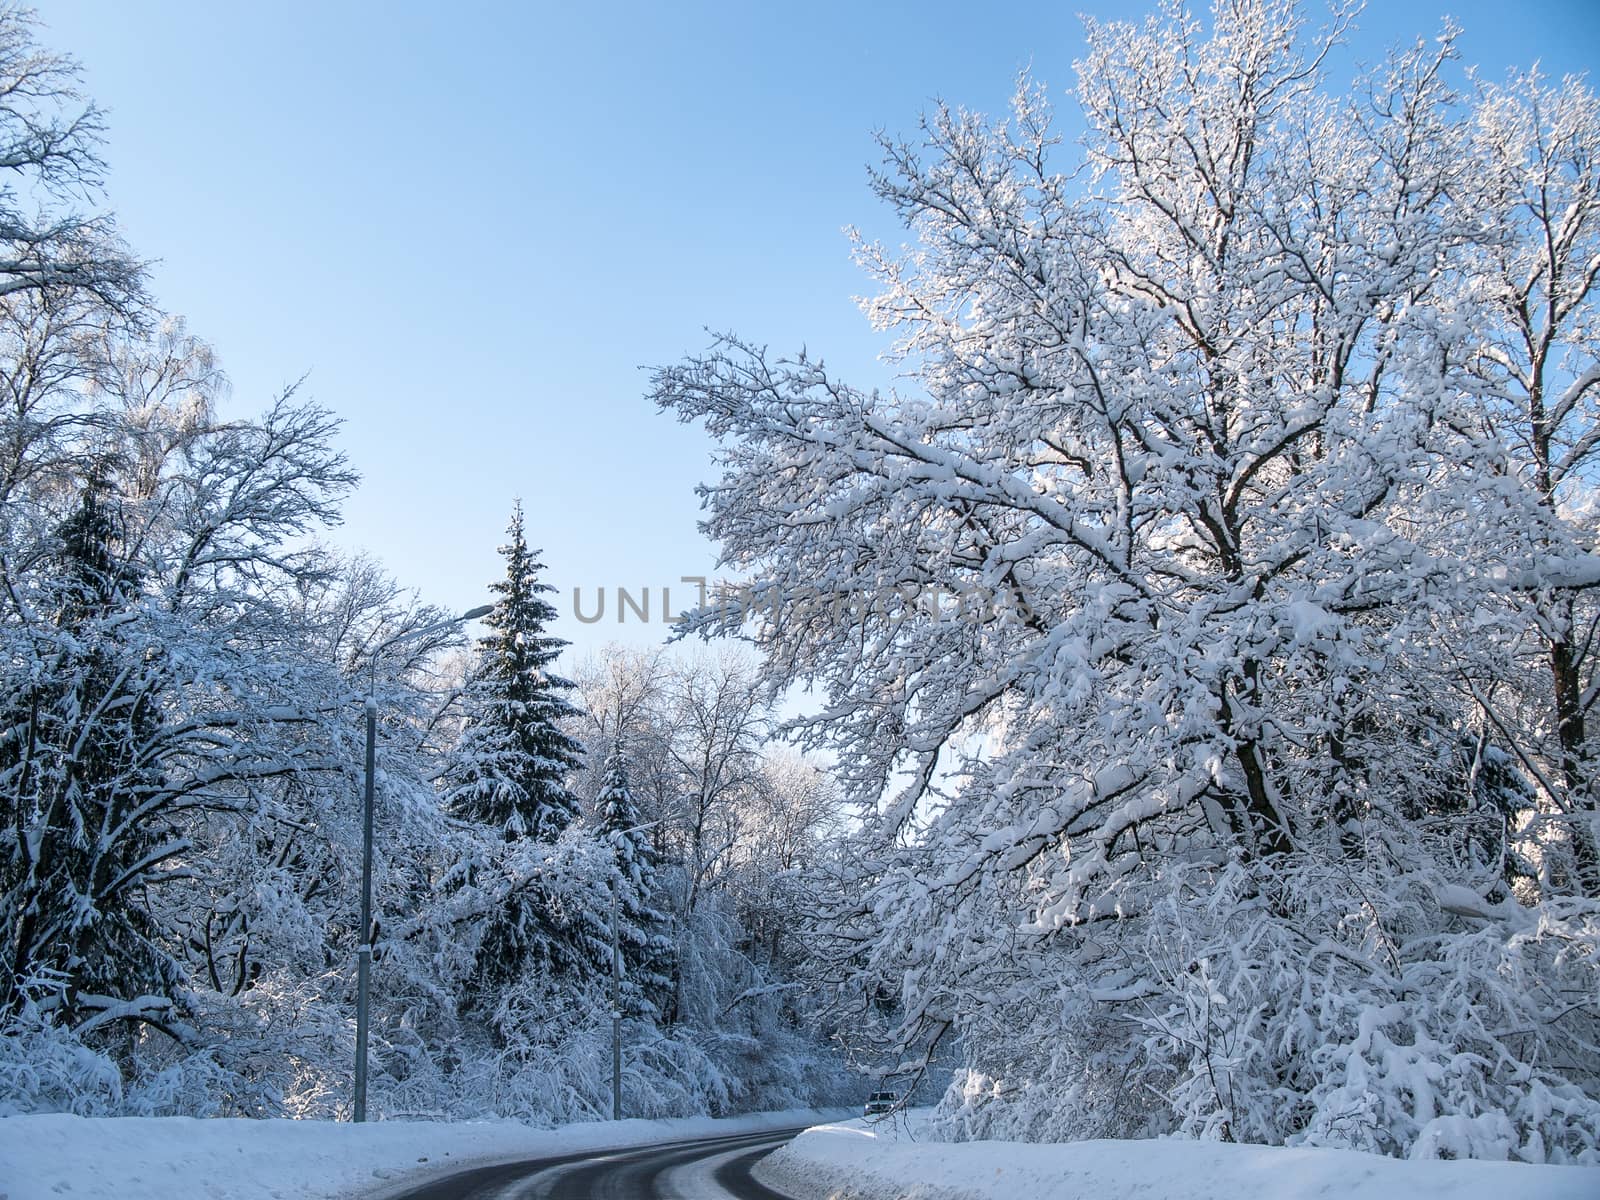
column 1574, row 775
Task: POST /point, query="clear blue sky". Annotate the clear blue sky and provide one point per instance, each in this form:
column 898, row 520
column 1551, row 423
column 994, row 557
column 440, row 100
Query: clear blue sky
column 472, row 224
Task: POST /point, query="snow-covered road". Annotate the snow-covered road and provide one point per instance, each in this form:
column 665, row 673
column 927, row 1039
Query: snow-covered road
column 61, row 1157
column 703, row 1169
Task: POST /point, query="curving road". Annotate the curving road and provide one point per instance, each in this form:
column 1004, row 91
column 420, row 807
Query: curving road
column 703, row 1169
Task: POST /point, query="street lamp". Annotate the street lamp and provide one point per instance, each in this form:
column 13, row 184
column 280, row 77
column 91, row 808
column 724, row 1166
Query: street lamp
column 364, row 950
column 616, row 1014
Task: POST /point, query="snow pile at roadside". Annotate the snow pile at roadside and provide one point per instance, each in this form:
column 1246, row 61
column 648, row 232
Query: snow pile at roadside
column 889, row 1160
column 60, row 1157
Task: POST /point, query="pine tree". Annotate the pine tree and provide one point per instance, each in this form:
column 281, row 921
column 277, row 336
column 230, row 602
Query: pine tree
column 620, row 825
column 646, row 949
column 510, row 766
column 507, row 774
column 83, row 796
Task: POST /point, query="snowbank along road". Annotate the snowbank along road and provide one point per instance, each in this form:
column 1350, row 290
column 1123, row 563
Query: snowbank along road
column 711, row 1168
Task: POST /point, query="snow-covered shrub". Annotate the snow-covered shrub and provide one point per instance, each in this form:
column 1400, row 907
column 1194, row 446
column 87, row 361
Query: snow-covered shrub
column 1479, row 1043
column 45, row 1067
column 1358, row 1005
column 1083, row 1088
column 552, row 1064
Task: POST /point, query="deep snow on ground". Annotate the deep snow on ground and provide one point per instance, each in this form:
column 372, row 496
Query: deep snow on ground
column 61, row 1157
column 132, row 1158
column 891, row 1160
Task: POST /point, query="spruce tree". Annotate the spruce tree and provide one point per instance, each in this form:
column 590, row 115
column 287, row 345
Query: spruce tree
column 645, row 947
column 507, row 774
column 83, row 796
column 509, row 768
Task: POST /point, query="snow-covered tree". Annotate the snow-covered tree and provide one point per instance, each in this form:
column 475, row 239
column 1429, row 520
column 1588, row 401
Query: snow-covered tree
column 1159, row 596
column 50, row 157
column 646, row 946
column 621, row 695
column 619, row 824
column 144, row 716
column 1535, row 145
column 507, row 773
column 787, row 829
column 718, row 716
column 164, row 713
column 86, row 802
column 722, row 813
column 509, row 769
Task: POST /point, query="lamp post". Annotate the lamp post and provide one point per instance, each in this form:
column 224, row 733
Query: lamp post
column 616, row 1015
column 364, row 950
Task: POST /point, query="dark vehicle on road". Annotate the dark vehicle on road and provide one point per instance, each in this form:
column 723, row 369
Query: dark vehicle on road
column 880, row 1102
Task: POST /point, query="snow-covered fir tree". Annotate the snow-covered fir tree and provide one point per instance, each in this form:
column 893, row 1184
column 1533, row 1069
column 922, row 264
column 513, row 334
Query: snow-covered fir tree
column 507, row 774
column 646, row 947
column 83, row 792
column 509, row 767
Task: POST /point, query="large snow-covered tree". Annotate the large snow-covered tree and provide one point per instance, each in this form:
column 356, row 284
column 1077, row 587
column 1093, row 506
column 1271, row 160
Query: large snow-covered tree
column 159, row 695
column 509, row 769
column 87, row 803
column 161, row 702
column 1143, row 619
column 541, row 912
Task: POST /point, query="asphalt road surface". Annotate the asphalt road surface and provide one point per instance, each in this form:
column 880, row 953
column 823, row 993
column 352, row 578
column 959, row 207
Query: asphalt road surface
column 703, row 1169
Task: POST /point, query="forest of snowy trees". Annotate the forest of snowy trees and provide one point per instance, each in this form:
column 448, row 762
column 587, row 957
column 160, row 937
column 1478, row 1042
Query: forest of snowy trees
column 1198, row 650
column 1208, row 622
column 182, row 749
